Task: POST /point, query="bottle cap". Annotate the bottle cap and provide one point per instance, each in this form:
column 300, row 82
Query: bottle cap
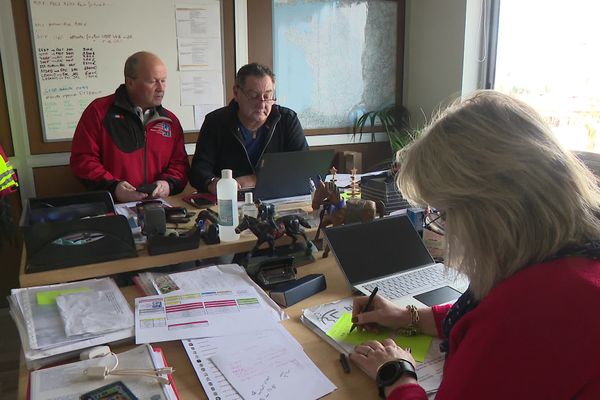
column 226, row 174
column 248, row 198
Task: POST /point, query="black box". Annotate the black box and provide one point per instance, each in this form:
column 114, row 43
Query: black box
column 289, row 293
column 76, row 229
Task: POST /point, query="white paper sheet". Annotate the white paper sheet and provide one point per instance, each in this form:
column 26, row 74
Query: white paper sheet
column 93, row 313
column 200, row 350
column 262, row 369
column 200, row 87
column 199, row 314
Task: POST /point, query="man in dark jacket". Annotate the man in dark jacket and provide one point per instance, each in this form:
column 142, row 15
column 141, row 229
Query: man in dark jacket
column 128, row 139
column 236, row 136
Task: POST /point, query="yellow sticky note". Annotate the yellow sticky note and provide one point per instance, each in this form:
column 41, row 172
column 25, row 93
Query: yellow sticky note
column 419, row 344
column 49, row 297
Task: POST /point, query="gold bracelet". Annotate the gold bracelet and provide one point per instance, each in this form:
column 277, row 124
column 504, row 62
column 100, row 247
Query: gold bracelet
column 413, row 328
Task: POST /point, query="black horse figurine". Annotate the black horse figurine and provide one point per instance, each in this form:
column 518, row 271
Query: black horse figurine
column 269, row 232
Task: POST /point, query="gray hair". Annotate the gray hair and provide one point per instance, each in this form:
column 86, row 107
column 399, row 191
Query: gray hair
column 133, row 62
column 512, row 195
column 253, row 69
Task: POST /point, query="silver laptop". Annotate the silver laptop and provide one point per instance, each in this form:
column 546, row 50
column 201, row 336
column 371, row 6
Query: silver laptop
column 389, row 254
column 288, row 174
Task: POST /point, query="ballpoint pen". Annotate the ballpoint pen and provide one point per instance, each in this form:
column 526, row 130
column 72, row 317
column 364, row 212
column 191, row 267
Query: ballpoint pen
column 371, row 297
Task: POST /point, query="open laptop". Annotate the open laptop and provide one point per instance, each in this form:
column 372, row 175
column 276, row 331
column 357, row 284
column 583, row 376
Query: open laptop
column 389, row 254
column 288, row 174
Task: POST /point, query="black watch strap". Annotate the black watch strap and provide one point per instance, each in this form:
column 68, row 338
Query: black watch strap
column 391, row 371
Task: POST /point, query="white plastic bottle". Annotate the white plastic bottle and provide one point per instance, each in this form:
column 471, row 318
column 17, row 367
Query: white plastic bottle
column 227, row 204
column 249, row 208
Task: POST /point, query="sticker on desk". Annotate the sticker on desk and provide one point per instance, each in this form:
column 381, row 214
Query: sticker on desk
column 49, row 297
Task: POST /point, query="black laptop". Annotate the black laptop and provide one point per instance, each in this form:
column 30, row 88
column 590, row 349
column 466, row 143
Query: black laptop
column 288, row 174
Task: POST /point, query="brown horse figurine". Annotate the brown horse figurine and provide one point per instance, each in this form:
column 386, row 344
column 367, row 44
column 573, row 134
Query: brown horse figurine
column 337, row 211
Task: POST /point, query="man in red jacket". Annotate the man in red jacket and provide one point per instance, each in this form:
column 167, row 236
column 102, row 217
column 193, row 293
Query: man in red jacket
column 127, row 139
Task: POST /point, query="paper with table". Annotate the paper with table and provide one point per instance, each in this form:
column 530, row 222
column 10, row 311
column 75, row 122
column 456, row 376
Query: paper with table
column 332, row 322
column 207, row 278
column 215, row 312
column 68, row 381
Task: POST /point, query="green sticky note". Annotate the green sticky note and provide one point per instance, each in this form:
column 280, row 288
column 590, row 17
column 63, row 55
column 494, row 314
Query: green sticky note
column 49, row 297
column 419, row 344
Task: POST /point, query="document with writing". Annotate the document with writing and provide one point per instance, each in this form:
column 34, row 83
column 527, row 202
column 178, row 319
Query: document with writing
column 262, row 369
column 201, row 350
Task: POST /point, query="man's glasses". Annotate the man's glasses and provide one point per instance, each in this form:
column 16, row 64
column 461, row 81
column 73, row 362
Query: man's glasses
column 256, row 97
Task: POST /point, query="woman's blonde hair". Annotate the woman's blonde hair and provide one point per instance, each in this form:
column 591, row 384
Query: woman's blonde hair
column 511, row 194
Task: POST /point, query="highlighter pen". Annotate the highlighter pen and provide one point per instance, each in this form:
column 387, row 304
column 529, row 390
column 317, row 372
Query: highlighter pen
column 371, row 297
column 345, row 363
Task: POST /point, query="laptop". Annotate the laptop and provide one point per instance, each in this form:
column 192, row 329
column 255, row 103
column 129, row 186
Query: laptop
column 288, row 174
column 389, row 254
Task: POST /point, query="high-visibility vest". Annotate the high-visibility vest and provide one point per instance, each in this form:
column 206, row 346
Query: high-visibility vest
column 8, row 177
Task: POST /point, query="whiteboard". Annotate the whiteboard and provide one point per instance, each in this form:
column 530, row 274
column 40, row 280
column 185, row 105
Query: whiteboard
column 80, row 48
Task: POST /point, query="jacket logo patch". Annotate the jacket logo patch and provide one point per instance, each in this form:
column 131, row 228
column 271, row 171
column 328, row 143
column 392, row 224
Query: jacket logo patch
column 119, row 116
column 163, row 129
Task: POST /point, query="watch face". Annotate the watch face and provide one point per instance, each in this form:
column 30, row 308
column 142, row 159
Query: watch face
column 388, row 373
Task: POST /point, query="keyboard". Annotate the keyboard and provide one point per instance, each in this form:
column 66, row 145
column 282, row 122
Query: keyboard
column 398, row 286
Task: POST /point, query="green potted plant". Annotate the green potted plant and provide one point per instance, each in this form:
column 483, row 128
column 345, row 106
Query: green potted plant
column 394, row 120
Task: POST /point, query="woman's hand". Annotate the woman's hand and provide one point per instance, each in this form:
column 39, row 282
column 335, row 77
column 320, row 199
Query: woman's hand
column 370, row 355
column 381, row 313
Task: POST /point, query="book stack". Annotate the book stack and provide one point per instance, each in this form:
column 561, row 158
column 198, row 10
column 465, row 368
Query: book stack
column 57, row 321
column 383, row 188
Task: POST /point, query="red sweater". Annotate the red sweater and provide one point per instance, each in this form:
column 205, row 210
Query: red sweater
column 534, row 336
column 111, row 145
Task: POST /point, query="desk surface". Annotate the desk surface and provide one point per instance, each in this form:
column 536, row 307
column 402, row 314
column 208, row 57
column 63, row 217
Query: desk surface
column 143, row 260
column 355, row 385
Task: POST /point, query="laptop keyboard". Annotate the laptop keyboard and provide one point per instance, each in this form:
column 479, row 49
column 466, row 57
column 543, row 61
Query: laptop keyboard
column 402, row 285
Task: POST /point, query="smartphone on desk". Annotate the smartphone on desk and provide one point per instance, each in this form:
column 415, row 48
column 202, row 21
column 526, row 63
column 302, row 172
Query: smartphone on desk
column 201, row 200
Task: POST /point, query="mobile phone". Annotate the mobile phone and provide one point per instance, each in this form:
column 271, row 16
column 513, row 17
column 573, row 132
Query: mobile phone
column 146, row 188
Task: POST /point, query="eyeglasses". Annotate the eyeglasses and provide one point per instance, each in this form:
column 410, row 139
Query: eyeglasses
column 435, row 221
column 256, row 97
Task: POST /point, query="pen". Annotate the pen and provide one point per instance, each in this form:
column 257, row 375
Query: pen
column 345, row 363
column 371, row 297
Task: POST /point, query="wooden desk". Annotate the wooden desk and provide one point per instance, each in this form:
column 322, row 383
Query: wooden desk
column 143, row 260
column 355, row 385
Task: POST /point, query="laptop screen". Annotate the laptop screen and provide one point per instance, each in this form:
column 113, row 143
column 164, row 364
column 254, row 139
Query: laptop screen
column 372, row 250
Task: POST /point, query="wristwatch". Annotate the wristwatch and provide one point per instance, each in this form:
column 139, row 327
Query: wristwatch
column 391, row 371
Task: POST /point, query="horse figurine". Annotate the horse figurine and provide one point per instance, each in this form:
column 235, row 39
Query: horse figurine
column 270, row 231
column 337, row 211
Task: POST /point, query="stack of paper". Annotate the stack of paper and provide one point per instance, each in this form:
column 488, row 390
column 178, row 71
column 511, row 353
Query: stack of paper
column 58, row 320
column 68, row 380
column 230, row 329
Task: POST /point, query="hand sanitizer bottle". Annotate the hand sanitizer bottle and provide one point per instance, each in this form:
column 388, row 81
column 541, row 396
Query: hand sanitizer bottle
column 227, row 204
column 249, row 208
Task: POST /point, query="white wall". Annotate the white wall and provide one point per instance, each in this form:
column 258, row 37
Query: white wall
column 441, row 54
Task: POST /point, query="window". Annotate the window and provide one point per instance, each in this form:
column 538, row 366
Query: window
column 548, row 55
column 334, row 60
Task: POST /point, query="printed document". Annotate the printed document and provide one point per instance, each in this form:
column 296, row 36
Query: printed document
column 199, row 314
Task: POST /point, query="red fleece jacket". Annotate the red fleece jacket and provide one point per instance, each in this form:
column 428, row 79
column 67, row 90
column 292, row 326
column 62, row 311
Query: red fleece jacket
column 534, row 336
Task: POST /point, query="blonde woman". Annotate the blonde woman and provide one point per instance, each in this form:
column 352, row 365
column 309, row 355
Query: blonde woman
column 521, row 223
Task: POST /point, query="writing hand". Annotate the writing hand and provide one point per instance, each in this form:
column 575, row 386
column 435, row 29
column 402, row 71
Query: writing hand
column 381, row 313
